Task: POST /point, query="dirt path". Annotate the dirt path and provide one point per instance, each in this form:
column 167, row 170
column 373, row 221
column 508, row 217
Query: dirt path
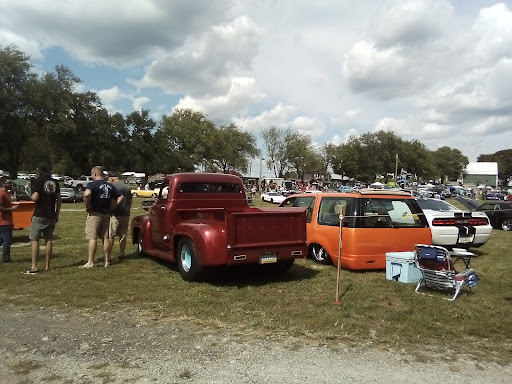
column 43, row 345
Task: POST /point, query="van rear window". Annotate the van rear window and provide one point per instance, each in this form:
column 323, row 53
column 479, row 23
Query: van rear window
column 390, row 213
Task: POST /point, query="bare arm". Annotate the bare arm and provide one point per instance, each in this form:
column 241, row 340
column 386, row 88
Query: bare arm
column 87, row 199
column 57, row 207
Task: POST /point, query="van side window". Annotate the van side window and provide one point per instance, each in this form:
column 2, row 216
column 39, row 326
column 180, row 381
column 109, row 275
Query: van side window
column 309, row 203
column 330, row 209
column 390, row 213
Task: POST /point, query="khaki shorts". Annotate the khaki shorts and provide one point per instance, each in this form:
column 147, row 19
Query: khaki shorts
column 119, row 226
column 97, row 225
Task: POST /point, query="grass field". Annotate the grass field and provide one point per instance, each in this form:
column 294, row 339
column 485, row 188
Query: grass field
column 373, row 310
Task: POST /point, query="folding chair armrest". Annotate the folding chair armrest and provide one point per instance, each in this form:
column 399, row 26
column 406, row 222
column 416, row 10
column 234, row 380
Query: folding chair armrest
column 466, row 273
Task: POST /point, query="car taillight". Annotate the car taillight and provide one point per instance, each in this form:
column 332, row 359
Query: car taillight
column 475, row 221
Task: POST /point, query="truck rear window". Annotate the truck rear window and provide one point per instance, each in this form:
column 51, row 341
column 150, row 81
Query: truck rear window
column 209, row 188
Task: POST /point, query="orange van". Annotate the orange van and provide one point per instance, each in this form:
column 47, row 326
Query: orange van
column 375, row 221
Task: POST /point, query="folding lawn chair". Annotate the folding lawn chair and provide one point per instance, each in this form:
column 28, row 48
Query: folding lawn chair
column 438, row 271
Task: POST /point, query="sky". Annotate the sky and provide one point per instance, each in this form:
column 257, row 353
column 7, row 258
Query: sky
column 437, row 71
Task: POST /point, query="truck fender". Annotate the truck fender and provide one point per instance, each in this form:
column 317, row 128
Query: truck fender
column 209, row 238
column 141, row 224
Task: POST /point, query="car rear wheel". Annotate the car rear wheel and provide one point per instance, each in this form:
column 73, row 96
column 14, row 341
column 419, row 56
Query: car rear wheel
column 187, row 260
column 506, row 224
column 80, row 187
column 319, row 254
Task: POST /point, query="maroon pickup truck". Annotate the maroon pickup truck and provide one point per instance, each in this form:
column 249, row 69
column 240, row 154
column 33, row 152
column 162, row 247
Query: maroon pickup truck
column 203, row 219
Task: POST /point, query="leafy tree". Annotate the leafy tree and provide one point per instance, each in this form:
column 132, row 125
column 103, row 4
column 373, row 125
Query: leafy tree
column 232, row 148
column 141, row 154
column 184, row 141
column 302, row 156
column 417, row 160
column 276, row 143
column 449, row 163
column 16, row 81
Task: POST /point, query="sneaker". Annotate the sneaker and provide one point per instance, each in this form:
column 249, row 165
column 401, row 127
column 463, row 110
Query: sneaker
column 86, row 266
column 30, row 271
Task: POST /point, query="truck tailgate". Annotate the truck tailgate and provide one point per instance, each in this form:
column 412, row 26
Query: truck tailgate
column 266, row 228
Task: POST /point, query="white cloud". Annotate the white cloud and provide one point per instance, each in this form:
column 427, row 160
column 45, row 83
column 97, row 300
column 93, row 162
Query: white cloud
column 139, row 102
column 410, row 23
column 493, row 33
column 242, row 93
column 203, row 67
column 399, row 127
column 276, row 117
column 384, row 73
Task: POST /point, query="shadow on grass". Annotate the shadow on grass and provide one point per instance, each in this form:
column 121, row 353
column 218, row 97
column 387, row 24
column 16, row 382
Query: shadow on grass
column 242, row 275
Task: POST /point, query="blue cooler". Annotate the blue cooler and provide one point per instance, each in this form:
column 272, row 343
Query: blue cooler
column 400, row 267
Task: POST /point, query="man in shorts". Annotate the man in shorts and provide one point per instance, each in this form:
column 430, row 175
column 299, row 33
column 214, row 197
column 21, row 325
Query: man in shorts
column 101, row 198
column 6, row 222
column 120, row 215
column 46, row 195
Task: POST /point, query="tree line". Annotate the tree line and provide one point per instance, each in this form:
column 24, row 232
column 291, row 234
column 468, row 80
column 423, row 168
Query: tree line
column 44, row 117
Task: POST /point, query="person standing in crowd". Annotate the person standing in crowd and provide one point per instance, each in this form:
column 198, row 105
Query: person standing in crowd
column 6, row 222
column 101, row 198
column 46, row 195
column 120, row 215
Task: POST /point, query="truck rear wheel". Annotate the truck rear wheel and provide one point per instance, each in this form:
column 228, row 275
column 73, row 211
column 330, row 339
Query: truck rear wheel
column 187, row 261
column 140, row 249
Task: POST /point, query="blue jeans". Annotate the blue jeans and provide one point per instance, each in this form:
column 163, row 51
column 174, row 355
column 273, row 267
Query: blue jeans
column 6, row 240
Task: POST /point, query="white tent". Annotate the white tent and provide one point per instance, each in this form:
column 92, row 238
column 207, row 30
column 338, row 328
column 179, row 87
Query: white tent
column 377, row 184
column 134, row 174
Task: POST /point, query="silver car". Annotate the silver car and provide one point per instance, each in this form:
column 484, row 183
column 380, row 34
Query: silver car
column 69, row 195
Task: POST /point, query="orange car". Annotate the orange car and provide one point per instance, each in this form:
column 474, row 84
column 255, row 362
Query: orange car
column 375, row 222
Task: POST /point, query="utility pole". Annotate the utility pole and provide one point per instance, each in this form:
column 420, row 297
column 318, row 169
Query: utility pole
column 396, row 170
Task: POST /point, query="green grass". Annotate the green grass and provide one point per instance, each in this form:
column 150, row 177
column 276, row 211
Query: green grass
column 373, row 311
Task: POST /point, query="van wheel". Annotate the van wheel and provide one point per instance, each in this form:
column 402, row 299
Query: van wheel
column 506, row 224
column 319, row 254
column 188, row 263
column 79, row 187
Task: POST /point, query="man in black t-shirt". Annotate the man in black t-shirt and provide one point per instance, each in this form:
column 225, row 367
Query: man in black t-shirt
column 46, row 195
column 100, row 198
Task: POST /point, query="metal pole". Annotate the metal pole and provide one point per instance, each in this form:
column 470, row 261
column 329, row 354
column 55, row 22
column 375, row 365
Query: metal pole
column 338, row 276
column 259, row 180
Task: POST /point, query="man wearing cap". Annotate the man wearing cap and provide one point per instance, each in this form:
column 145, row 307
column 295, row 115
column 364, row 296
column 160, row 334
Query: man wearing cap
column 6, row 222
column 46, row 195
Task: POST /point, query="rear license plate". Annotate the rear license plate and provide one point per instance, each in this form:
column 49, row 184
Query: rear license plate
column 268, row 258
column 466, row 239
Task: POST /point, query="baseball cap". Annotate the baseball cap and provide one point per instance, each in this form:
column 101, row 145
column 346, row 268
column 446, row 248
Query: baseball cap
column 43, row 166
